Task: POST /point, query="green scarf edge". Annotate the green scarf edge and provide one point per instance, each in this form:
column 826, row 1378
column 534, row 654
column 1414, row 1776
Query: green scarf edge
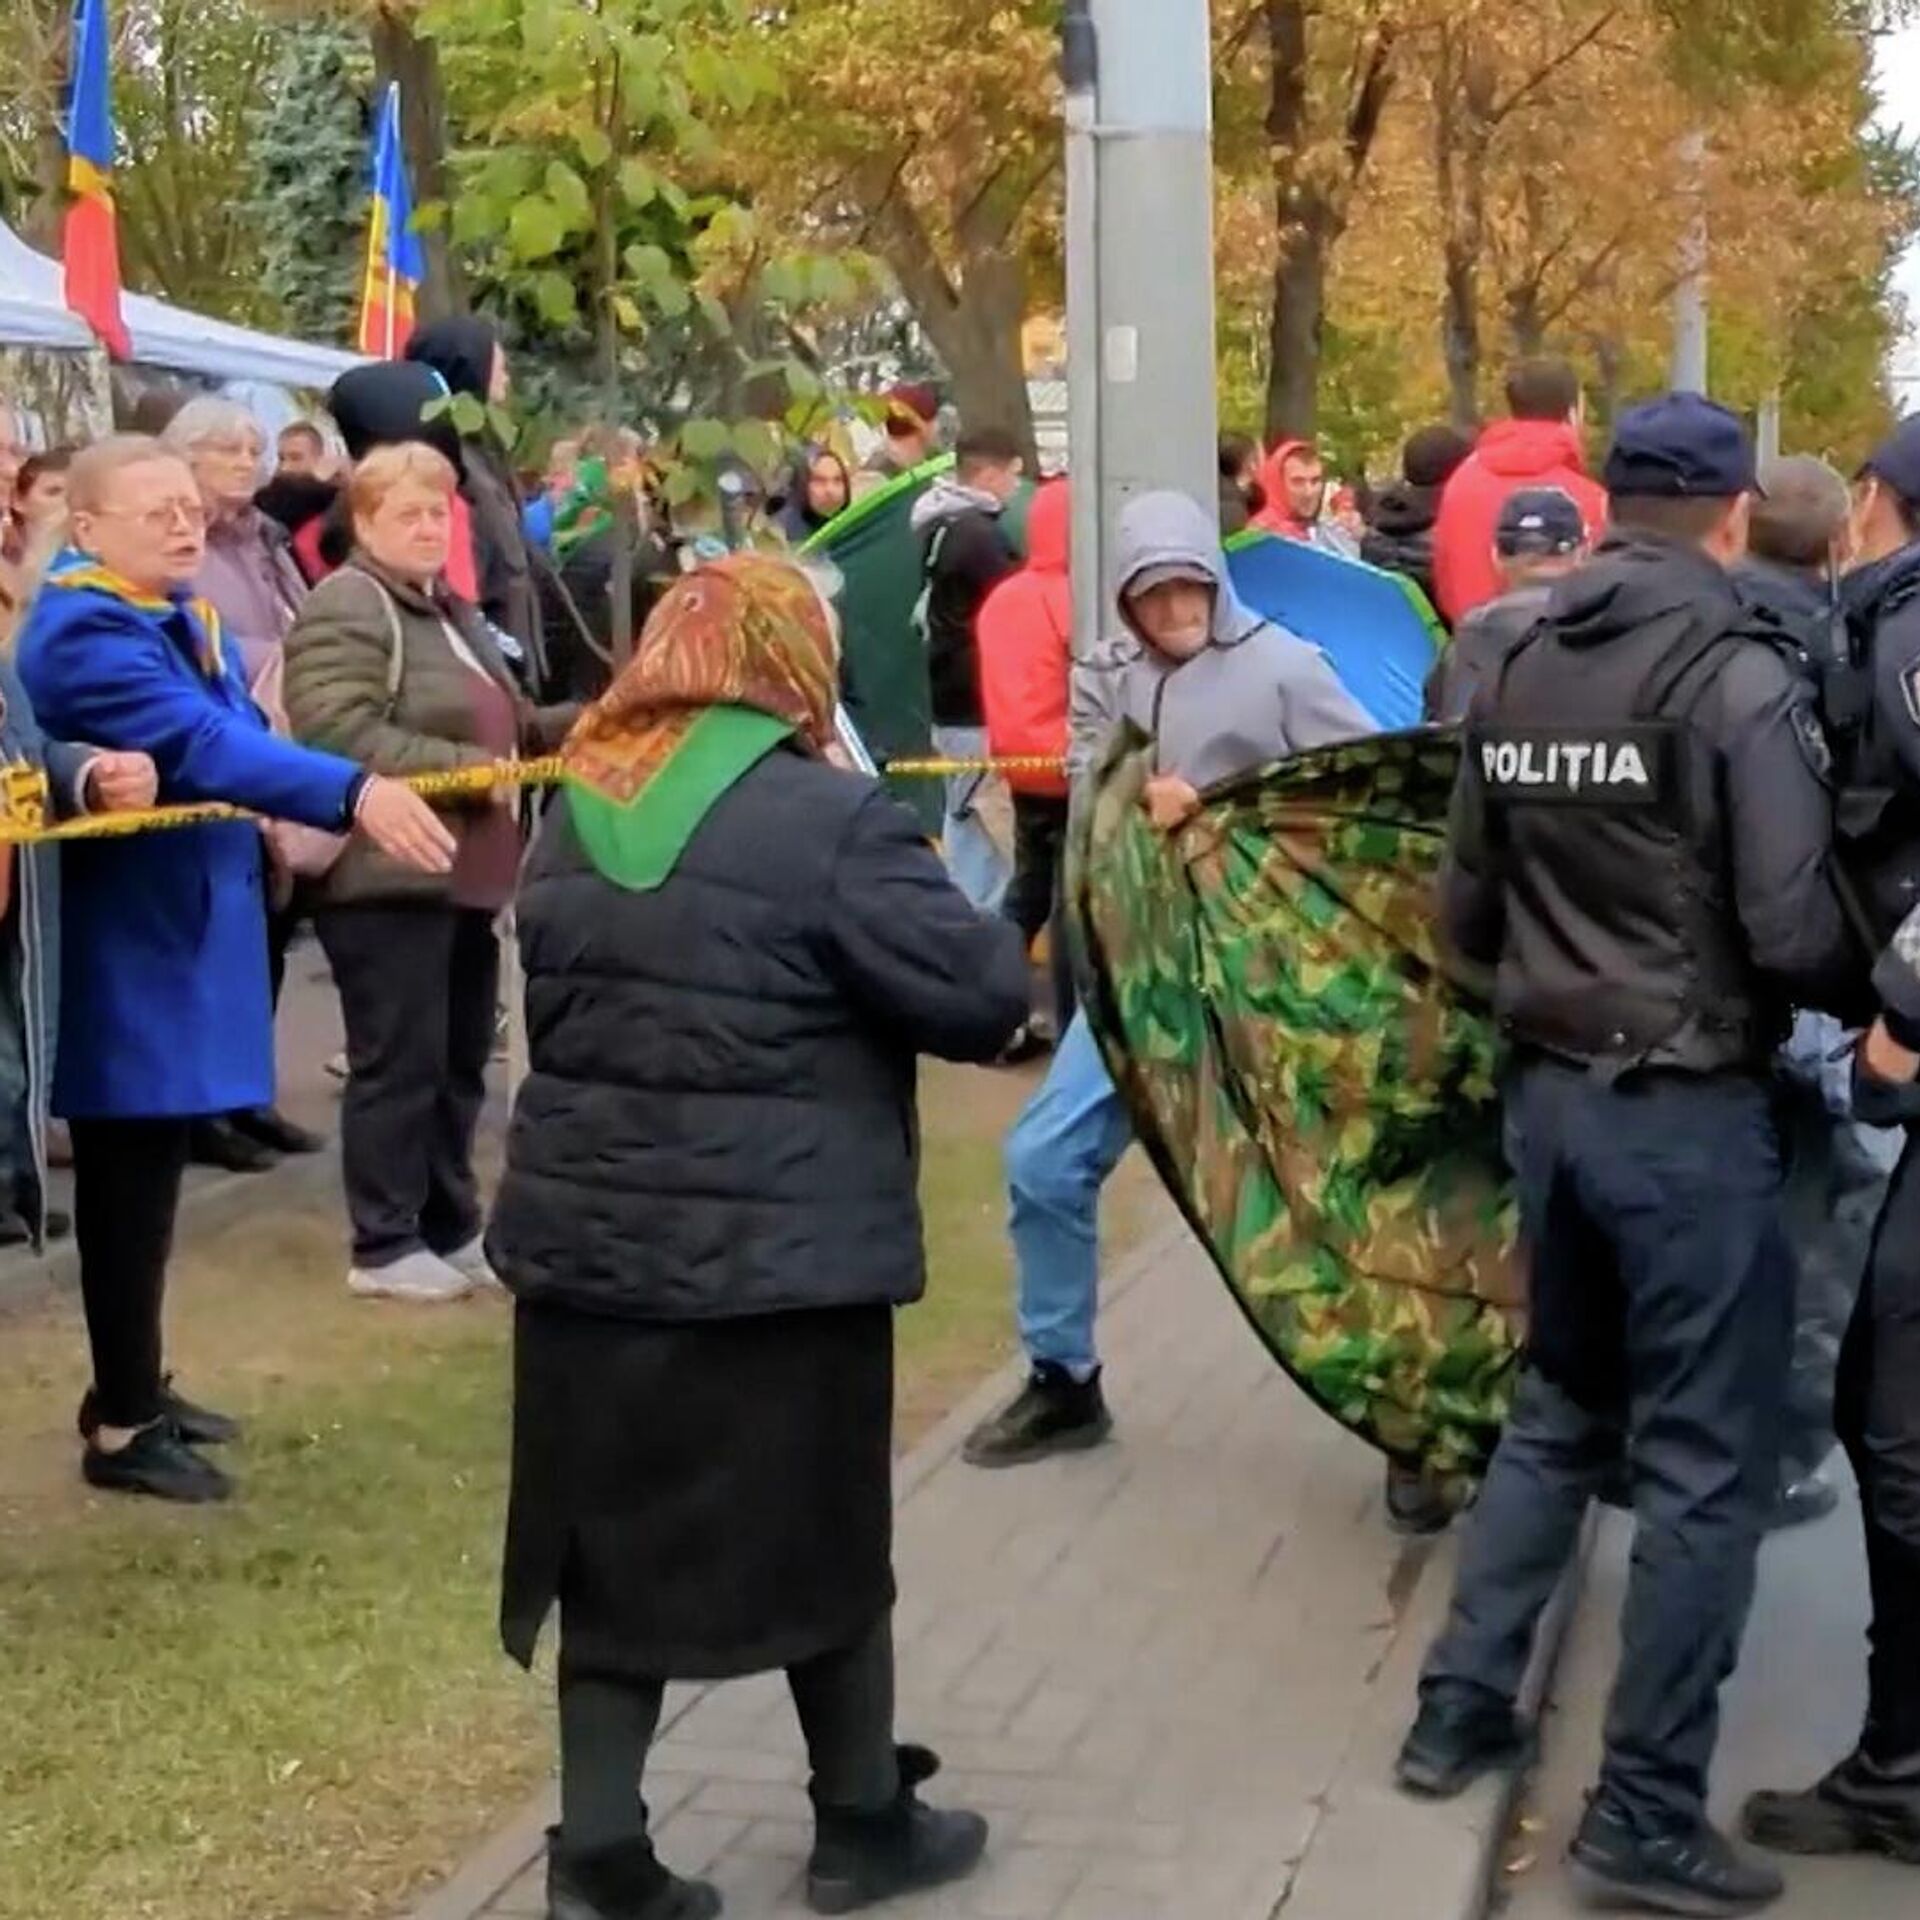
column 637, row 845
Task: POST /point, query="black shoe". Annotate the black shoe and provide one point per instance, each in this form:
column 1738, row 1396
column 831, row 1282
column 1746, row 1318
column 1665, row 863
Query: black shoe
column 1697, row 1873
column 14, row 1231
column 270, row 1128
column 59, row 1226
column 1860, row 1807
column 197, row 1426
column 1417, row 1502
column 1802, row 1503
column 1031, row 1043
column 1461, row 1734
column 860, row 1859
column 219, row 1143
column 625, row 1882
column 1054, row 1413
column 158, row 1463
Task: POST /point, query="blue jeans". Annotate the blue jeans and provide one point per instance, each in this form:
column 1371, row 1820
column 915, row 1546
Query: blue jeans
column 979, row 867
column 1663, row 1306
column 1061, row 1150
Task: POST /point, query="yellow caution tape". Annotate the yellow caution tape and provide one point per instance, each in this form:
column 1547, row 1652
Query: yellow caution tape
column 24, row 796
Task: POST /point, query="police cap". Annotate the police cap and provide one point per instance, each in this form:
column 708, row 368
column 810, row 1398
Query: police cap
column 1896, row 460
column 1542, row 522
column 1681, row 447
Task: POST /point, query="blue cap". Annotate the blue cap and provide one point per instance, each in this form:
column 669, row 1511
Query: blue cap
column 1681, row 447
column 1896, row 460
column 1542, row 522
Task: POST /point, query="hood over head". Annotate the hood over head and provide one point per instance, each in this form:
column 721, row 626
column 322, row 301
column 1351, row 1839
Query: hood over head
column 1529, row 449
column 948, row 498
column 384, row 405
column 1161, row 530
column 1273, row 478
column 1632, row 580
column 460, row 350
column 1050, row 529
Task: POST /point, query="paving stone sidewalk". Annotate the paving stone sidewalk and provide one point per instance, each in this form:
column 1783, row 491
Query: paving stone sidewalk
column 1155, row 1666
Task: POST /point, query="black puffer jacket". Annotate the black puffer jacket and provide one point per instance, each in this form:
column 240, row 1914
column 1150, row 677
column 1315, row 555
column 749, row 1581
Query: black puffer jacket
column 720, row 1117
column 1400, row 539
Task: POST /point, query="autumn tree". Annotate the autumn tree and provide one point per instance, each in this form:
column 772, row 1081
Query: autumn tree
column 929, row 135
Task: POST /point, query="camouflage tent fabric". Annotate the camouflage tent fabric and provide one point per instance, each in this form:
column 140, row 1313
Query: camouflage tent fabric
column 1315, row 1090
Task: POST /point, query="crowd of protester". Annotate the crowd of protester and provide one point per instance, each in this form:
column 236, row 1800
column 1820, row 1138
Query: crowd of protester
column 716, row 925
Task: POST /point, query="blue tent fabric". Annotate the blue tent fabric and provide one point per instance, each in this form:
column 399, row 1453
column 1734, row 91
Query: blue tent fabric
column 1375, row 628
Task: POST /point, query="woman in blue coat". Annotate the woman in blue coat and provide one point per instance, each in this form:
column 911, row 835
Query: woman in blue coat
column 165, row 1010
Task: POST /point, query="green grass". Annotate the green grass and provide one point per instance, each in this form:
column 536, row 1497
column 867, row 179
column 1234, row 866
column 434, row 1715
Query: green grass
column 296, row 1708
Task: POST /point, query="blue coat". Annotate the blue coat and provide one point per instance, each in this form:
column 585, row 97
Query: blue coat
column 165, row 1006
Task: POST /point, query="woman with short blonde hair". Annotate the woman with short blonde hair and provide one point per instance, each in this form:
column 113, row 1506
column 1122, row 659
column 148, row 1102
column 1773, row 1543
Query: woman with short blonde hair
column 386, row 662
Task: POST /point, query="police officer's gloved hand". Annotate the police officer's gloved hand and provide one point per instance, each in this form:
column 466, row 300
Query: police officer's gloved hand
column 1880, row 1097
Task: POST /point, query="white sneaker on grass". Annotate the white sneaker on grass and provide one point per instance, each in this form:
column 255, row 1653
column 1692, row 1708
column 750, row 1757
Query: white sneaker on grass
column 470, row 1262
column 422, row 1278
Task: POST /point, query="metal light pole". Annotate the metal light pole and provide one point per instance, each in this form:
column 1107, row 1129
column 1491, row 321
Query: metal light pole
column 1140, row 339
column 1690, row 295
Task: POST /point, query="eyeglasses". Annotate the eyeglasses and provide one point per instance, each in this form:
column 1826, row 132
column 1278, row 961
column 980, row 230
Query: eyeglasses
column 160, row 519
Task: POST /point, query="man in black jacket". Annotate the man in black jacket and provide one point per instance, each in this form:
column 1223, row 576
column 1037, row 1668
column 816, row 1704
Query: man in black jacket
column 1541, row 539
column 1639, row 850
column 965, row 555
column 1870, row 1803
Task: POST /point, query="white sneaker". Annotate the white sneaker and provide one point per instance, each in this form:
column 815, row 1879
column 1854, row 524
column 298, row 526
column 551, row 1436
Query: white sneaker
column 470, row 1262
column 423, row 1278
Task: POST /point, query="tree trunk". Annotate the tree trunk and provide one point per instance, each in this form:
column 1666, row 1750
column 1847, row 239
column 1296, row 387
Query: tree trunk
column 977, row 335
column 1465, row 119
column 45, row 200
column 402, row 55
column 1296, row 336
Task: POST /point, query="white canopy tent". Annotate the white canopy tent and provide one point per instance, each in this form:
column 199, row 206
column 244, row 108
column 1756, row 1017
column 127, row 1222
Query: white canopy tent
column 33, row 313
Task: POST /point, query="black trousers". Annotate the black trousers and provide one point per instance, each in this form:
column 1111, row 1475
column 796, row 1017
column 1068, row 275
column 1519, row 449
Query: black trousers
column 1877, row 1410
column 126, row 1190
column 1663, row 1305
column 418, row 986
column 608, row 1720
column 1036, row 895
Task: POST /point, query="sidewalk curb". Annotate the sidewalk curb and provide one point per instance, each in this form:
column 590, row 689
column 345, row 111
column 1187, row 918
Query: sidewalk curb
column 522, row 1842
column 1377, row 1851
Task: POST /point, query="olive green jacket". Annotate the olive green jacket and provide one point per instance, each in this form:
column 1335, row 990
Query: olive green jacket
column 371, row 675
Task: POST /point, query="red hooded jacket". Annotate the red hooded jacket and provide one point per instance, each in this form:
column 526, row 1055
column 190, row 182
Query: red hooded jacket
column 1512, row 454
column 1276, row 516
column 1025, row 635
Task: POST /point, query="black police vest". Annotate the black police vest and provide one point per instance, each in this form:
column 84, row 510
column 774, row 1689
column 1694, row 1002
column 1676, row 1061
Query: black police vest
column 1622, row 947
column 1876, row 805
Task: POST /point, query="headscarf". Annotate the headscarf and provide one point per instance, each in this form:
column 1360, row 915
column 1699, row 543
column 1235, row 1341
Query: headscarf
column 798, row 521
column 738, row 657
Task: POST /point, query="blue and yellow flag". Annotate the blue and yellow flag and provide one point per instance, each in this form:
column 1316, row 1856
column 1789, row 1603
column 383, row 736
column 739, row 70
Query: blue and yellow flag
column 396, row 265
column 90, row 240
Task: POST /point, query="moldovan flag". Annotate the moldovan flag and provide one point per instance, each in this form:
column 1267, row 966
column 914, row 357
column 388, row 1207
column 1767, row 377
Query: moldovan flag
column 395, row 262
column 90, row 242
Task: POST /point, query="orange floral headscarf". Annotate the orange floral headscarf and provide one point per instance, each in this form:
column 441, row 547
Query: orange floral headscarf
column 747, row 631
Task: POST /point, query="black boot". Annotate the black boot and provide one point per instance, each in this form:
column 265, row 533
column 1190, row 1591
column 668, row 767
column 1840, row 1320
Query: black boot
column 270, row 1128
column 1417, row 1502
column 1860, row 1807
column 1054, row 1413
column 624, row 1882
column 1461, row 1733
column 862, row 1858
column 158, row 1463
column 1696, row 1873
column 219, row 1143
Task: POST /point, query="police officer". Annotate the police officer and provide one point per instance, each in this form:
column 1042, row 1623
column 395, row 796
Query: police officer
column 1639, row 848
column 1870, row 1803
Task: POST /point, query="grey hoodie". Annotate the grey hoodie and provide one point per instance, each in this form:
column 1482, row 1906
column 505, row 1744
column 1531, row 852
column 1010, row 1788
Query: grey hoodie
column 1255, row 695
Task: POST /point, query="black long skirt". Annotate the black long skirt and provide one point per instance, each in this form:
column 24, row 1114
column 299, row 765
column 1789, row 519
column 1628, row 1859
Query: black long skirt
column 702, row 1501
